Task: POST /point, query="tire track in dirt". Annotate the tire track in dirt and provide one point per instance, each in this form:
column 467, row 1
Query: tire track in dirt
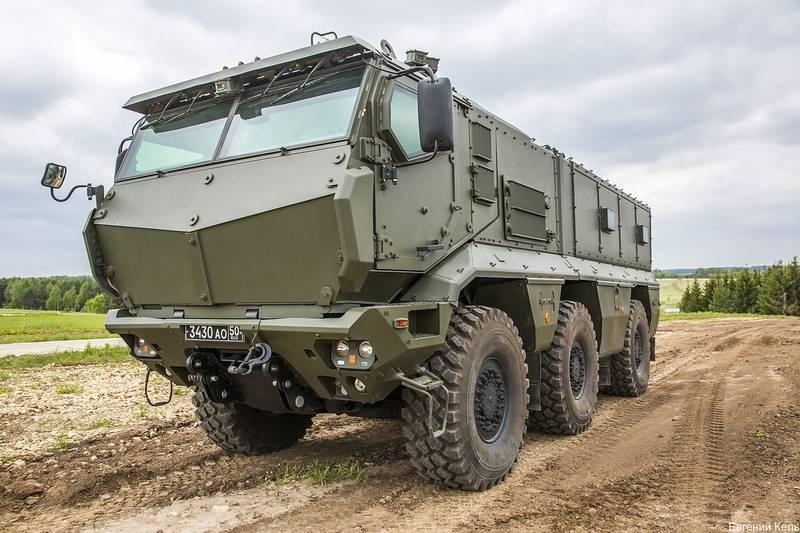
column 545, row 458
column 664, row 458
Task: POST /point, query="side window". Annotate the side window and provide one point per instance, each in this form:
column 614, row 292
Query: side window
column 404, row 120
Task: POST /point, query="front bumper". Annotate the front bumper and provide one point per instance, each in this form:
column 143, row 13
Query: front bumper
column 304, row 345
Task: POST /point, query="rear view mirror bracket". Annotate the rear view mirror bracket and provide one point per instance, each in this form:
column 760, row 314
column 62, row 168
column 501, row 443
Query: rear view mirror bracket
column 54, row 176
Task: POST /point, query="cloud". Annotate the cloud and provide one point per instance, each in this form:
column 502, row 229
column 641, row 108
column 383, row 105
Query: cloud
column 692, row 106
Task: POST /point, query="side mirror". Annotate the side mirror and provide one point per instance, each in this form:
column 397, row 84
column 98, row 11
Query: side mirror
column 54, row 175
column 435, row 109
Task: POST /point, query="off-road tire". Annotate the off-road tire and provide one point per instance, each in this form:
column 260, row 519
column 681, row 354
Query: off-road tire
column 564, row 411
column 629, row 378
column 239, row 428
column 482, row 364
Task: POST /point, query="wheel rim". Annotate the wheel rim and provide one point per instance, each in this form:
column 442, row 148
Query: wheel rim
column 577, row 369
column 490, row 399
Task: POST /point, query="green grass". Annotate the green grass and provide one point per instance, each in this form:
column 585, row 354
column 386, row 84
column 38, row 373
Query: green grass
column 89, row 356
column 101, row 423
column 69, row 388
column 672, row 289
column 706, row 315
column 23, row 325
column 323, row 474
column 61, row 444
column 5, row 390
column 144, row 412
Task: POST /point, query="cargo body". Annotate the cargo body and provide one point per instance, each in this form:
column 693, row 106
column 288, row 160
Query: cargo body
column 235, row 222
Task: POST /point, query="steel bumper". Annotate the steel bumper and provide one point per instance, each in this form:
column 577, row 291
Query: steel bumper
column 304, row 344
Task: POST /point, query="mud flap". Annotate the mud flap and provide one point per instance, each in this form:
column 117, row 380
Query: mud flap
column 533, row 360
column 604, row 376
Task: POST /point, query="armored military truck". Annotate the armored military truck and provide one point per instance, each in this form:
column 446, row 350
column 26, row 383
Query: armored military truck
column 334, row 230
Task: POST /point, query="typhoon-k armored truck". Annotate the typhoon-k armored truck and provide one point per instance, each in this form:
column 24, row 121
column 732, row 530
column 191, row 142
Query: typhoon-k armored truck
column 335, row 230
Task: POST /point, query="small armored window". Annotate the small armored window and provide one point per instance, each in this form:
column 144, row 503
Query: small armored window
column 642, row 234
column 608, row 219
column 404, row 120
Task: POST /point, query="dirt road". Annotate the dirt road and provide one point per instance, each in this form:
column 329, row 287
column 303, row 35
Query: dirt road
column 713, row 441
column 24, row 348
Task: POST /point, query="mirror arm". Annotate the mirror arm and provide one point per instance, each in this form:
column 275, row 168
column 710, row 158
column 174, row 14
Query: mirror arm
column 429, row 158
column 91, row 192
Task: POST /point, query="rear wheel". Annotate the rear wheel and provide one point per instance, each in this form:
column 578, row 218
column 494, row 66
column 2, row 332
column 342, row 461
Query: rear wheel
column 630, row 368
column 242, row 429
column 569, row 374
column 483, row 366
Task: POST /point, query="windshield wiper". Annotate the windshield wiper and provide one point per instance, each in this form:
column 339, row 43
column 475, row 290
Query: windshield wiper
column 161, row 120
column 305, row 83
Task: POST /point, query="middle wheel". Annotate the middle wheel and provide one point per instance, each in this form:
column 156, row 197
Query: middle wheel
column 569, row 374
column 482, row 364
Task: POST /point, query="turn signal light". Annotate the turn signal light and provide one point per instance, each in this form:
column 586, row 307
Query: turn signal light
column 401, row 323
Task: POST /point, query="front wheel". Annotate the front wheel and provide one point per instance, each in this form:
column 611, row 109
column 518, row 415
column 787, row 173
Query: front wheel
column 482, row 364
column 242, row 429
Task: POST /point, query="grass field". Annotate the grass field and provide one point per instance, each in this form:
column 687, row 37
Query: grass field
column 23, row 325
column 706, row 315
column 672, row 289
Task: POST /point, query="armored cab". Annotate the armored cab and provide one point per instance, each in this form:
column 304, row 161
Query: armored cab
column 334, row 230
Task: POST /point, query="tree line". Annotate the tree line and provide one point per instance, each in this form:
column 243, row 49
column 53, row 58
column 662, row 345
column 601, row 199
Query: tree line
column 57, row 293
column 708, row 272
column 775, row 291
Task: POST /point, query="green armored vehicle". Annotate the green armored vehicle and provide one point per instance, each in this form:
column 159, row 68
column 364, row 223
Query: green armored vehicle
column 333, row 230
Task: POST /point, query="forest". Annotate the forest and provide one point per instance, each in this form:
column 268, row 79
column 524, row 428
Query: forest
column 56, row 293
column 774, row 291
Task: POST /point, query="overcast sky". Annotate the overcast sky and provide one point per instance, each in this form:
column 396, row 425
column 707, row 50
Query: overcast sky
column 691, row 106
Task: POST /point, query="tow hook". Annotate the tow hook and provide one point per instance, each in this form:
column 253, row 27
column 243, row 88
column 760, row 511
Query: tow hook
column 258, row 356
column 425, row 383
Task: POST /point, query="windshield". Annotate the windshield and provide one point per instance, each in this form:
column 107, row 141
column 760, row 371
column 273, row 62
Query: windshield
column 176, row 141
column 290, row 114
column 318, row 111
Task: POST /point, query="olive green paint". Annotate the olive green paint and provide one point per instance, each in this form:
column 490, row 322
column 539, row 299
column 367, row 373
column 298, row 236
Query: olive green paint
column 338, row 239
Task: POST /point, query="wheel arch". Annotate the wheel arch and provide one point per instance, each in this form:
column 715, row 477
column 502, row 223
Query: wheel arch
column 531, row 303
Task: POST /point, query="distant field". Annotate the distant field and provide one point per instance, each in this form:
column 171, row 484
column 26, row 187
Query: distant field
column 23, row 325
column 672, row 289
column 706, row 315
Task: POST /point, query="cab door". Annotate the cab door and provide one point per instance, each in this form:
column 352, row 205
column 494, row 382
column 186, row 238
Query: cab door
column 419, row 215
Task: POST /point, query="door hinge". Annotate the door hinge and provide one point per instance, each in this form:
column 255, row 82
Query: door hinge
column 379, row 254
column 374, row 150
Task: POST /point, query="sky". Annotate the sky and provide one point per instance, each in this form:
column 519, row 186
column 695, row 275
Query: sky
column 693, row 107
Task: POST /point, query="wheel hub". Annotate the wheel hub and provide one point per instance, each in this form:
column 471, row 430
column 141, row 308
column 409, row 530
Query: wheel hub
column 577, row 369
column 490, row 400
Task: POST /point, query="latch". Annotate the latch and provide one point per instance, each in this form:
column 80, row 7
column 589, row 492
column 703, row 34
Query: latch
column 387, row 173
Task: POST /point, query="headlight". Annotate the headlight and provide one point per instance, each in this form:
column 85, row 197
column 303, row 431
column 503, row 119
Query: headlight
column 365, row 350
column 353, row 354
column 342, row 348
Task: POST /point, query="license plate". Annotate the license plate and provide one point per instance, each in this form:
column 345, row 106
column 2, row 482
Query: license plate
column 214, row 333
